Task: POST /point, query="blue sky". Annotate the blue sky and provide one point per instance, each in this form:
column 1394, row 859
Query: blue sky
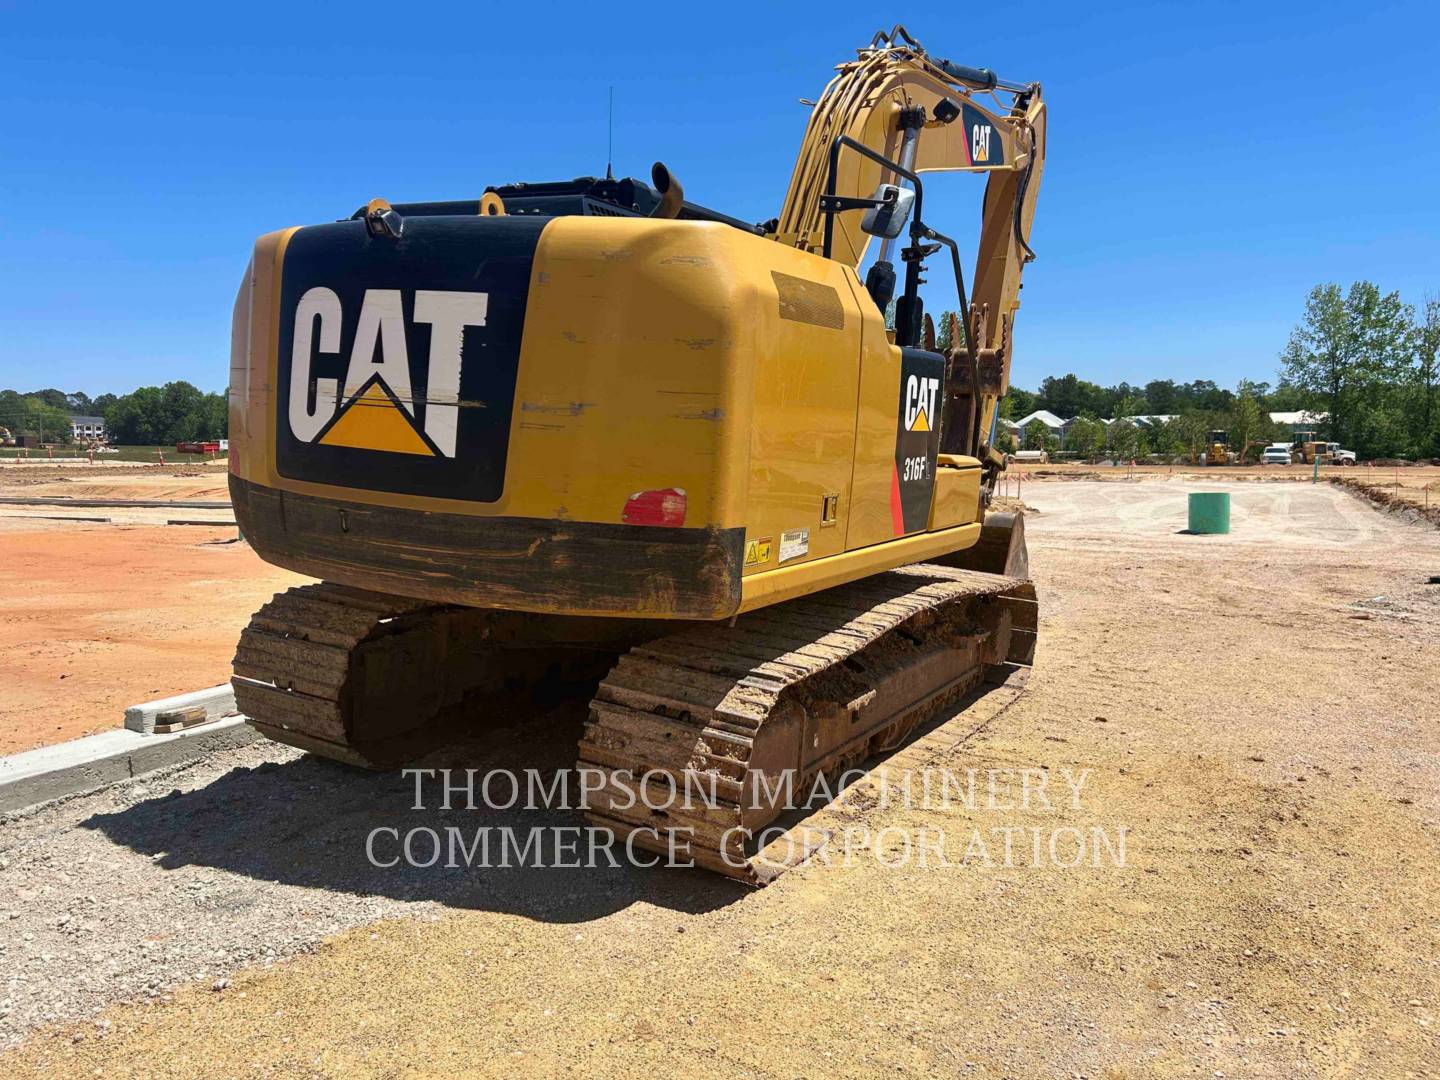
column 1207, row 163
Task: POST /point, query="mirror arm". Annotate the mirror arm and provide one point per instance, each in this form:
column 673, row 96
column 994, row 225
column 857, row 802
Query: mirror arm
column 834, row 204
column 931, row 234
column 830, row 196
column 972, row 356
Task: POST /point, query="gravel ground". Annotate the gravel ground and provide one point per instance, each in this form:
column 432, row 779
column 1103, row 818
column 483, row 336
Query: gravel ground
column 246, row 857
column 90, row 915
column 1258, row 710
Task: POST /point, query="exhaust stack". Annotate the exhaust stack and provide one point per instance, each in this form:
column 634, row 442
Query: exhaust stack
column 672, row 195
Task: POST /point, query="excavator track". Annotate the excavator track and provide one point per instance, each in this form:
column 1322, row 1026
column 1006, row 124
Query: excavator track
column 371, row 679
column 705, row 736
column 298, row 660
column 738, row 718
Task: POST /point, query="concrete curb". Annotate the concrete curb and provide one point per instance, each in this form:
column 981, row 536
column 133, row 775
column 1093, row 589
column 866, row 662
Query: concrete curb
column 217, row 701
column 83, row 765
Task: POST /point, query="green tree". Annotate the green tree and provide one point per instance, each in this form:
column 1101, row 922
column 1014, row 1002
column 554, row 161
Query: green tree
column 1036, row 434
column 1204, row 395
column 1425, row 377
column 1070, row 395
column 137, row 418
column 1168, row 438
column 1192, row 428
column 215, row 416
column 1124, row 440
column 945, row 332
column 1290, row 398
column 183, row 407
column 1129, row 405
column 56, row 399
column 1248, row 424
column 1085, row 436
column 1018, row 403
column 35, row 416
column 1163, row 396
column 1343, row 351
column 175, row 412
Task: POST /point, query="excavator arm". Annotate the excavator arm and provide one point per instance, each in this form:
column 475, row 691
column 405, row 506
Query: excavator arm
column 921, row 113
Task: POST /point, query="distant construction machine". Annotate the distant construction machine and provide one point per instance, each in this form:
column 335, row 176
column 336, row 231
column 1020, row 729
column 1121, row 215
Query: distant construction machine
column 1326, row 453
column 1217, row 448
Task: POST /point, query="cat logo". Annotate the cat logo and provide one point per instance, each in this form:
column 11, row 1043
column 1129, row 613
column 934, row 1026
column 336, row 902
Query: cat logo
column 980, row 142
column 375, row 409
column 986, row 145
column 917, row 439
column 920, row 395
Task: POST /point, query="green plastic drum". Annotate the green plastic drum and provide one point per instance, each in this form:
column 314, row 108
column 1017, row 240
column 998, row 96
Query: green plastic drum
column 1210, row 512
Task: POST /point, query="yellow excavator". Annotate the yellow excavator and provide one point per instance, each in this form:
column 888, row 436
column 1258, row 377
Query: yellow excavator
column 592, row 431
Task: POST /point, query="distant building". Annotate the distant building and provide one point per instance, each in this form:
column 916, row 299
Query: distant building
column 1053, row 424
column 88, row 428
column 1049, row 419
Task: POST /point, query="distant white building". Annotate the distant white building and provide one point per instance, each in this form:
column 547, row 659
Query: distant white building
column 87, row 428
column 1053, row 424
column 1049, row 419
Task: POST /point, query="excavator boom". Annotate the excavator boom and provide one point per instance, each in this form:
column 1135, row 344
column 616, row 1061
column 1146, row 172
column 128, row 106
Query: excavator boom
column 895, row 97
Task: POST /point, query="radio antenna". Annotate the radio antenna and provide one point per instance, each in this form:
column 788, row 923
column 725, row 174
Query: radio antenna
column 610, row 139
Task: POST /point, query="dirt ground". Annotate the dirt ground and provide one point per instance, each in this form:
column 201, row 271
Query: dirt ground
column 1420, row 500
column 1414, row 477
column 97, row 617
column 1256, row 713
column 14, row 474
column 186, row 485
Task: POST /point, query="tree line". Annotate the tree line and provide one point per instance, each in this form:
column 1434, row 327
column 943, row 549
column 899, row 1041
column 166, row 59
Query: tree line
column 1365, row 359
column 1244, row 428
column 148, row 416
column 1370, row 360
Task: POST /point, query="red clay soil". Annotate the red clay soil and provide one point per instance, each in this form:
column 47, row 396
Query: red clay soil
column 93, row 619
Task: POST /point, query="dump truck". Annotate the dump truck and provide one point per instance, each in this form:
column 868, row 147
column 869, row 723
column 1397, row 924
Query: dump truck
column 592, row 432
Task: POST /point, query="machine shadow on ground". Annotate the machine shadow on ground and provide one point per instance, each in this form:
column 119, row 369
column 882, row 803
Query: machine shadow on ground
column 306, row 821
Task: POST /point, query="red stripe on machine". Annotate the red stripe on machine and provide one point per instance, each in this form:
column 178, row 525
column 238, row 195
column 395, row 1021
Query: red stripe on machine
column 897, row 510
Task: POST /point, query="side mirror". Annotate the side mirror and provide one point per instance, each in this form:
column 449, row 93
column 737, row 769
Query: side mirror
column 887, row 220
